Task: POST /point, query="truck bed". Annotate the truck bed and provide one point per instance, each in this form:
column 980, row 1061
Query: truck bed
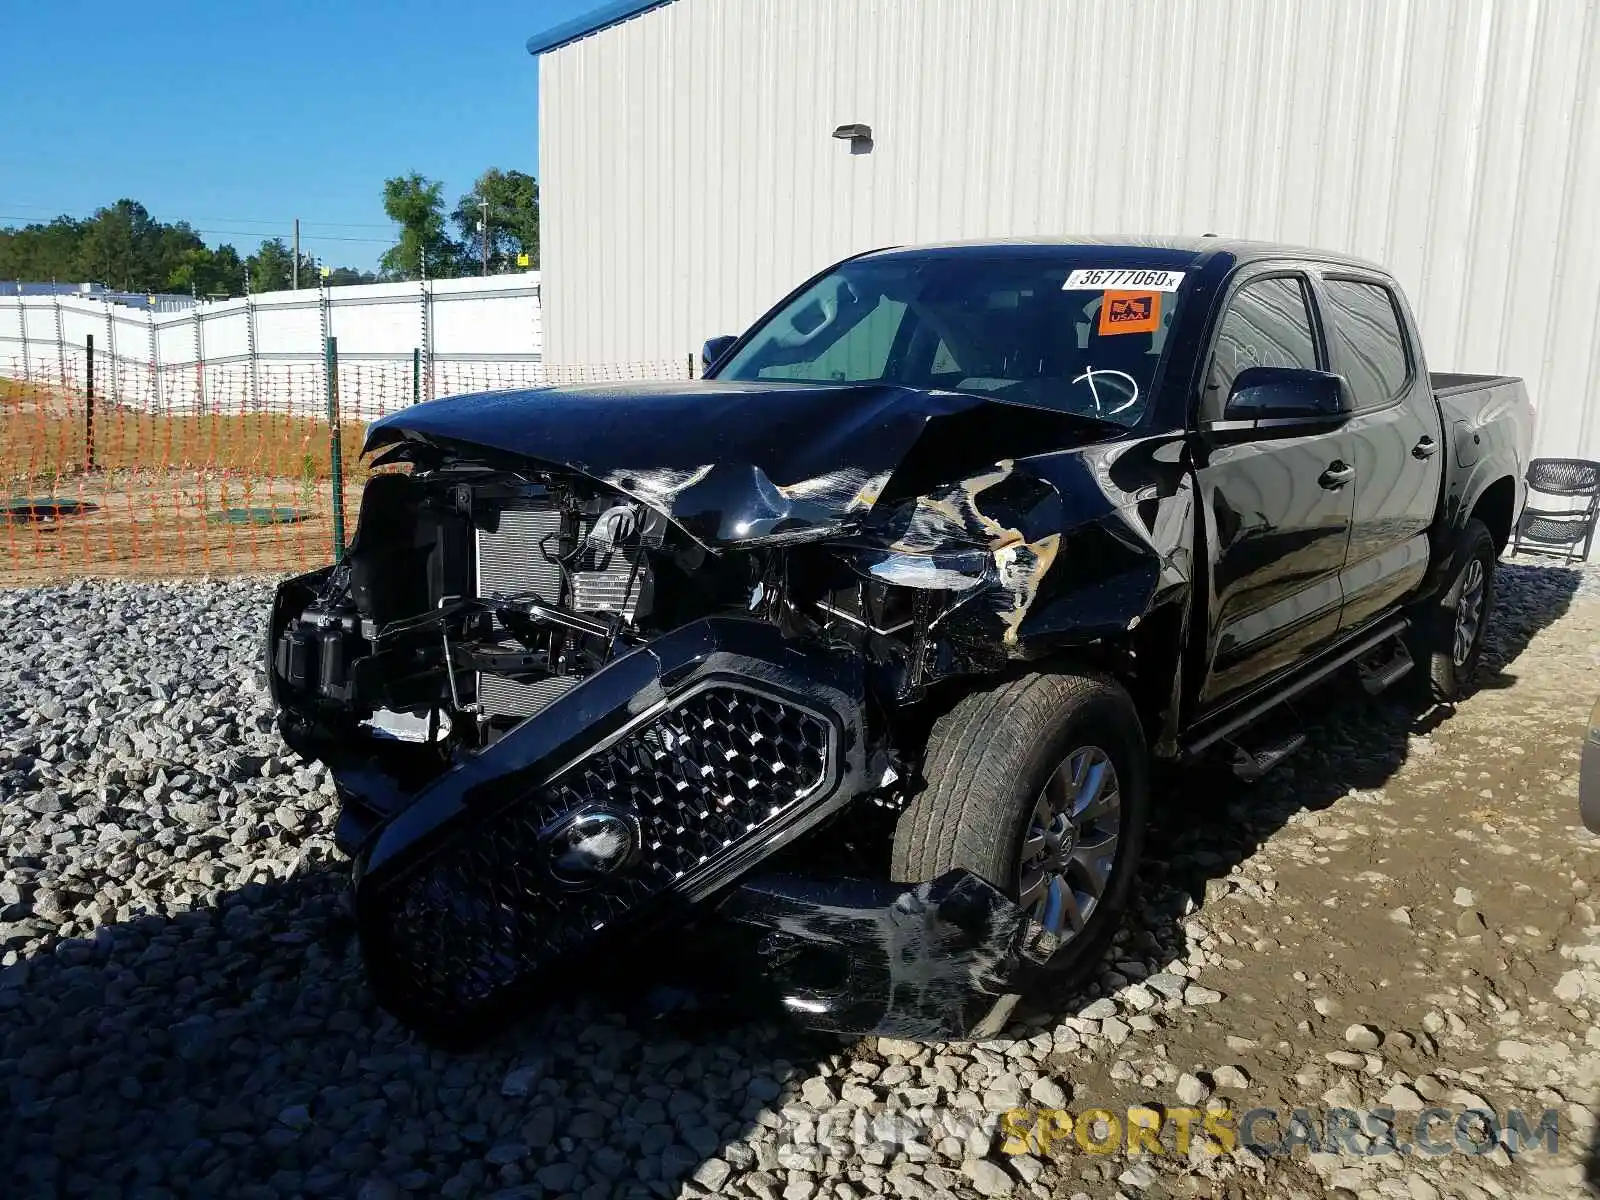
column 1446, row 383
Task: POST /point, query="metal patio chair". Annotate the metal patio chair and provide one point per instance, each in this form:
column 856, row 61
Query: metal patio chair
column 1560, row 531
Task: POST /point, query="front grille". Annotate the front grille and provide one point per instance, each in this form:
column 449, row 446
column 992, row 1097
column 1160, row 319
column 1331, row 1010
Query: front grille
column 482, row 915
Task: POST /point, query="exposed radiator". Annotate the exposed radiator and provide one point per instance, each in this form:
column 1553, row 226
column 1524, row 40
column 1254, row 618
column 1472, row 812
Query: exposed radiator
column 519, row 559
column 600, row 582
column 502, row 697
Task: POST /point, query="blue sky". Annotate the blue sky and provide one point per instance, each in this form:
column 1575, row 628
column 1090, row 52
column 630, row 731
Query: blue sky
column 239, row 115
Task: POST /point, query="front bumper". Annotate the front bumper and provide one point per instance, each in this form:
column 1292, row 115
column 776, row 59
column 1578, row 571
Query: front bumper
column 637, row 794
column 670, row 776
column 944, row 959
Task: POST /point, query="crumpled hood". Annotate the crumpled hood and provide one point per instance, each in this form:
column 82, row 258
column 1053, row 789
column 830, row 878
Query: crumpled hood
column 731, row 463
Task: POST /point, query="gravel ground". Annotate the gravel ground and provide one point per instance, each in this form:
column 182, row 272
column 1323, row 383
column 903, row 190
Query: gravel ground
column 1400, row 915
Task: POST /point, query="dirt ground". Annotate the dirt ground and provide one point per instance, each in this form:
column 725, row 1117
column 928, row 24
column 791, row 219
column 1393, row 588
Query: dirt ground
column 1400, row 919
column 1423, row 874
column 169, row 494
column 147, row 525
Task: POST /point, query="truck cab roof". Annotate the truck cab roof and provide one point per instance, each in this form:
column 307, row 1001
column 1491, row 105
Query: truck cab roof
column 1153, row 250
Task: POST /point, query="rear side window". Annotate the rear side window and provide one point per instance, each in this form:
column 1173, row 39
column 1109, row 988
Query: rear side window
column 1372, row 344
column 1268, row 324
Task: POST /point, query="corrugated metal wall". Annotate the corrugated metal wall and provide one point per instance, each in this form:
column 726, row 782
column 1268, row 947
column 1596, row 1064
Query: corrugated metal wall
column 689, row 177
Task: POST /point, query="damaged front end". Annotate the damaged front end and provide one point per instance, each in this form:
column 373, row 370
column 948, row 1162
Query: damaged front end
column 566, row 706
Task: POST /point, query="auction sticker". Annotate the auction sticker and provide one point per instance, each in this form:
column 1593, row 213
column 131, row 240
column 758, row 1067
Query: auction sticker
column 1122, row 279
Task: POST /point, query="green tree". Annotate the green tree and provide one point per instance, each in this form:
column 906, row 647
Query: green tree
column 343, row 276
column 124, row 247
column 271, row 267
column 39, row 253
column 207, row 272
column 416, row 204
column 513, row 221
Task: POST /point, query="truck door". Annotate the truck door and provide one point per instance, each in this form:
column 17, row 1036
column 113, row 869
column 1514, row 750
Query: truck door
column 1277, row 511
column 1396, row 438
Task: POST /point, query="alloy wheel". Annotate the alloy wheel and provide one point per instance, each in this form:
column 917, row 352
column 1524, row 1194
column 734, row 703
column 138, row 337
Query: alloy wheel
column 1469, row 612
column 1070, row 847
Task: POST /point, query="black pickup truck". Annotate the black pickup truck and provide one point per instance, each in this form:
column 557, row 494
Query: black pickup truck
column 857, row 655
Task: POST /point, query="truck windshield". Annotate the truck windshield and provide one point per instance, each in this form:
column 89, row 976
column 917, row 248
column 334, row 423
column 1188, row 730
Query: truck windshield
column 1053, row 333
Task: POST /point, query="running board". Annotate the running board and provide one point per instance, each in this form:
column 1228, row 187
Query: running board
column 1380, row 676
column 1251, row 765
column 1254, row 712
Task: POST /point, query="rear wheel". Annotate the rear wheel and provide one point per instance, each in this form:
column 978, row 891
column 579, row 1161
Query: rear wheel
column 1041, row 787
column 1448, row 636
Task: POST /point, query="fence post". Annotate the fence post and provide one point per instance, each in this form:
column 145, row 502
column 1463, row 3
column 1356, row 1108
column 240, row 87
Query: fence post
column 250, row 346
column 416, row 374
column 111, row 352
column 155, row 359
column 61, row 341
column 88, row 405
column 335, row 455
column 22, row 331
column 199, row 348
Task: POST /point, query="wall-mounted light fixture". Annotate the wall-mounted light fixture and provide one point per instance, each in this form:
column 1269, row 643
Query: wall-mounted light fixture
column 859, row 136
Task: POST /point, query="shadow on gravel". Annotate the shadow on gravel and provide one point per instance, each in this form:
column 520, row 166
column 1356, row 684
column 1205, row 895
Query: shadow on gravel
column 235, row 1049
column 1354, row 741
column 1206, row 822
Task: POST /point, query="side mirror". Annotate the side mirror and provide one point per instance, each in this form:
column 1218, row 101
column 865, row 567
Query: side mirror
column 714, row 349
column 1281, row 402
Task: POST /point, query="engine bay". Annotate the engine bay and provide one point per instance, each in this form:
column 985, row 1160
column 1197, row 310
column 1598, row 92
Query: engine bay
column 472, row 597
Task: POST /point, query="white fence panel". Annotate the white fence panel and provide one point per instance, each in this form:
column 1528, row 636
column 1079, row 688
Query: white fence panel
column 225, row 327
column 265, row 352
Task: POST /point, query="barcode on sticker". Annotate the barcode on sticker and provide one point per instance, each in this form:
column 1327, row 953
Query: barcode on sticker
column 1123, row 279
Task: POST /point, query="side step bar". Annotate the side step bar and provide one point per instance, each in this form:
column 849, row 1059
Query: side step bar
column 1383, row 674
column 1252, row 713
column 1251, row 765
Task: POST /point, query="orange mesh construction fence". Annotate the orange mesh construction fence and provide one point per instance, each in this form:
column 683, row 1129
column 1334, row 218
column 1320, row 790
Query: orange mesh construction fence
column 181, row 471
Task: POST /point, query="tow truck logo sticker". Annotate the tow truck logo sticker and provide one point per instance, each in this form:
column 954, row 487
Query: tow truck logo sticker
column 1130, row 312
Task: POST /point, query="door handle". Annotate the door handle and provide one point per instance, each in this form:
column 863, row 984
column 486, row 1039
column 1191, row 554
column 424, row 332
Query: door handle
column 1426, row 448
column 1337, row 475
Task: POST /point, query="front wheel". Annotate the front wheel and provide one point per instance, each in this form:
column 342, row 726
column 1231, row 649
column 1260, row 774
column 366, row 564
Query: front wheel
column 1448, row 636
column 1041, row 787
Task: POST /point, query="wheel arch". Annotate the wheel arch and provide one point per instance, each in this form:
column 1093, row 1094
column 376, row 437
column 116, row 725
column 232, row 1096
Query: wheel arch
column 1496, row 508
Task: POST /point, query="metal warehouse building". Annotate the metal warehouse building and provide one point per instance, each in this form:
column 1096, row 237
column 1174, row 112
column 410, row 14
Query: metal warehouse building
column 690, row 173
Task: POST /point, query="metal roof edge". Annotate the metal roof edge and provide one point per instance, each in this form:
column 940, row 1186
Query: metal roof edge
column 580, row 27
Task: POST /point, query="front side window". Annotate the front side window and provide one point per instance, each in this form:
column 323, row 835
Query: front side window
column 1006, row 326
column 1372, row 347
column 1268, row 324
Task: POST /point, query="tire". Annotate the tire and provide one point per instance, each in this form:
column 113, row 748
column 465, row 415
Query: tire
column 989, row 761
column 1447, row 652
